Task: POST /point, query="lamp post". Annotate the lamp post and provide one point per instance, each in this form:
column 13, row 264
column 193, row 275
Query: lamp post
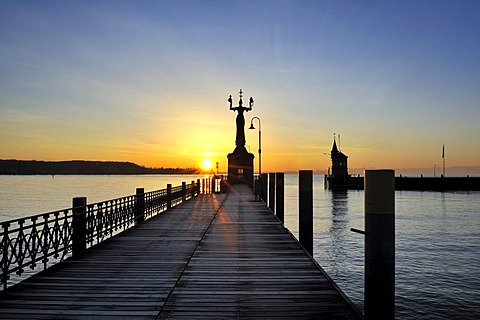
column 259, row 143
column 259, row 148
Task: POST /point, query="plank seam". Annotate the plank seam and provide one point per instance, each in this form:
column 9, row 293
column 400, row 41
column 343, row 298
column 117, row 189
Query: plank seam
column 190, row 258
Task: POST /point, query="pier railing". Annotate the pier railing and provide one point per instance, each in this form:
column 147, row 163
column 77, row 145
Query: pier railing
column 31, row 244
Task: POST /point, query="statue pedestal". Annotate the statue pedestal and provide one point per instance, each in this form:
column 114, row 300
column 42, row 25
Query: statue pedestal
column 240, row 166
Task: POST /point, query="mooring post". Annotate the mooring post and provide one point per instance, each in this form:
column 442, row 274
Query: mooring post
column 198, row 187
column 256, row 188
column 214, row 182
column 305, row 207
column 184, row 191
column 271, row 191
column 169, row 196
column 379, row 244
column 140, row 204
column 79, row 226
column 264, row 187
column 280, row 196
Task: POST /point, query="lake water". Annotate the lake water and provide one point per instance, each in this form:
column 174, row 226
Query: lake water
column 437, row 234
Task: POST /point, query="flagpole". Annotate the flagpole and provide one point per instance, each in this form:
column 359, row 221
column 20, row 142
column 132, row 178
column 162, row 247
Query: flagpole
column 443, row 156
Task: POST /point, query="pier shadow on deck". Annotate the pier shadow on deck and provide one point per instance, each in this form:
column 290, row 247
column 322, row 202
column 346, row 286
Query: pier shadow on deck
column 213, row 257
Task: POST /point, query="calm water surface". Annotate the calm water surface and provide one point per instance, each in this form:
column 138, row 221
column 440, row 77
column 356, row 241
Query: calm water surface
column 29, row 195
column 437, row 234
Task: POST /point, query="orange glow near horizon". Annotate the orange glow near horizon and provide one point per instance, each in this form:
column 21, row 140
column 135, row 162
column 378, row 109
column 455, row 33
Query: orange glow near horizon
column 177, row 139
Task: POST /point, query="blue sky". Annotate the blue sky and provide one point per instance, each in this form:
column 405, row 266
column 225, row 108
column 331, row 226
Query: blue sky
column 147, row 81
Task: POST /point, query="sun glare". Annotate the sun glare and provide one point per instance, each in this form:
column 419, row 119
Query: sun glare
column 207, row 165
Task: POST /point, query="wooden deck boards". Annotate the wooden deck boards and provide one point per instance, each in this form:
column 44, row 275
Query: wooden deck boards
column 214, row 257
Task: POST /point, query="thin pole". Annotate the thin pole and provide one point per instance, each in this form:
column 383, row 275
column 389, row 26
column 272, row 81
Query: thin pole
column 443, row 156
column 259, row 143
column 259, row 148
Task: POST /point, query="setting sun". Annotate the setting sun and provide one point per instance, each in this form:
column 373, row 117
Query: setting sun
column 207, row 165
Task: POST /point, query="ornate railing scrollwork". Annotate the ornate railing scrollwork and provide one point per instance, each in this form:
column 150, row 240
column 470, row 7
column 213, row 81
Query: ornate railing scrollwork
column 46, row 239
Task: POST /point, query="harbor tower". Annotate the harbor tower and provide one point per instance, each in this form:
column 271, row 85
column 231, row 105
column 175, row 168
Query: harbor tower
column 339, row 175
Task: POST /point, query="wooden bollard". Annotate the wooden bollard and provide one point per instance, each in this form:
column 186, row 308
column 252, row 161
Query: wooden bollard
column 169, row 196
column 140, row 205
column 79, row 226
column 198, row 187
column 379, row 244
column 271, row 191
column 264, row 187
column 280, row 196
column 305, row 207
column 256, row 187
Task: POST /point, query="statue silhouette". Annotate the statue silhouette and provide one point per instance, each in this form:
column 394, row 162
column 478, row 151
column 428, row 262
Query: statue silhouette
column 240, row 120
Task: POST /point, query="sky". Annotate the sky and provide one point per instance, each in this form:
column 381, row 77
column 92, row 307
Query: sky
column 148, row 81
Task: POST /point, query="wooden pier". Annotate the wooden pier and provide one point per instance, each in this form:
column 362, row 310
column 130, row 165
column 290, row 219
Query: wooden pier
column 217, row 256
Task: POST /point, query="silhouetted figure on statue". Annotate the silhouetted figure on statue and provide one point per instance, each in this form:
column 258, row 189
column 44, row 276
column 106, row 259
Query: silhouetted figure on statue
column 240, row 161
column 240, row 136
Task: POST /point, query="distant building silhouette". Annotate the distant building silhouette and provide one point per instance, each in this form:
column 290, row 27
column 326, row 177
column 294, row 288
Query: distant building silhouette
column 339, row 179
column 339, row 164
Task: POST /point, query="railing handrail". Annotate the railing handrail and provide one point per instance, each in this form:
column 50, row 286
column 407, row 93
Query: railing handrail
column 26, row 241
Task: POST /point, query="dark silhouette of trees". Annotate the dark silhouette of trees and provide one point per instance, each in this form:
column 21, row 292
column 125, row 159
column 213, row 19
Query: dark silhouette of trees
column 31, row 167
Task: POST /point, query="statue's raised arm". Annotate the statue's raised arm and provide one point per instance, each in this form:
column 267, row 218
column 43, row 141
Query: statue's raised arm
column 250, row 103
column 230, row 101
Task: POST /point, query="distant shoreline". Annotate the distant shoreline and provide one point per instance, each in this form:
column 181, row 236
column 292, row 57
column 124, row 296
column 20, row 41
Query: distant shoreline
column 81, row 167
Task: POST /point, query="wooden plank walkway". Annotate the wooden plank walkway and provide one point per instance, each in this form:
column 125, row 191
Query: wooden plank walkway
column 214, row 257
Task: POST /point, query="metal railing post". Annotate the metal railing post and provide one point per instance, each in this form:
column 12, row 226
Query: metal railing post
column 379, row 244
column 79, row 226
column 4, row 244
column 305, row 207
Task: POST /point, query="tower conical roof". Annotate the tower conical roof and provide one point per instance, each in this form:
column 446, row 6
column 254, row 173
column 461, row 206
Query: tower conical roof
column 335, row 153
column 334, row 148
